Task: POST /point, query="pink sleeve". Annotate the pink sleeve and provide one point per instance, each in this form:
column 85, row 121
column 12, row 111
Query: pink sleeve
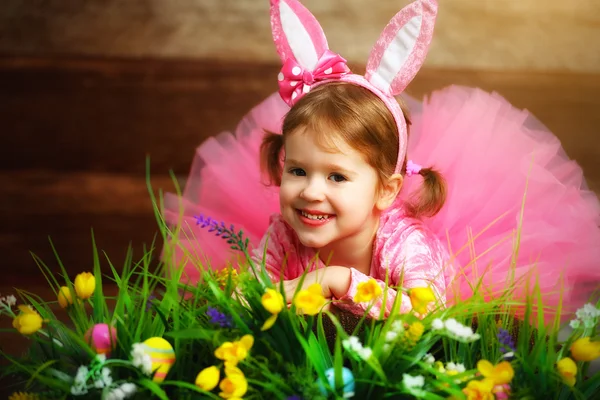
column 282, row 252
column 271, row 249
column 419, row 253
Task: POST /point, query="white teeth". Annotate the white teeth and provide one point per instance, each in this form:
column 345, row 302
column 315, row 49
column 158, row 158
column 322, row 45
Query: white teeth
column 314, row 217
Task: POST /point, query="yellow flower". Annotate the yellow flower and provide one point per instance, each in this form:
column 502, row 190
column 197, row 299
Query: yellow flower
column 367, row 291
column 439, row 366
column 23, row 396
column 223, row 276
column 310, row 300
column 234, row 385
column 64, row 297
column 28, row 321
column 208, row 378
column 234, row 352
column 585, row 350
column 420, row 298
column 85, row 284
column 479, row 390
column 415, row 330
column 567, row 369
column 413, row 334
column 499, row 374
column 272, row 301
column 232, row 370
column 269, row 322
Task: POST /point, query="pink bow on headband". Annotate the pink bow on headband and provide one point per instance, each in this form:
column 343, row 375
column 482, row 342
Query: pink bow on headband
column 295, row 81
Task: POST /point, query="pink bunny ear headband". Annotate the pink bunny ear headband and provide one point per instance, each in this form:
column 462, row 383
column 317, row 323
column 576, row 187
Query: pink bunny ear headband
column 394, row 61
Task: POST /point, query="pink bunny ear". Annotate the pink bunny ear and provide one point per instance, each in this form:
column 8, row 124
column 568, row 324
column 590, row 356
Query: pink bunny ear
column 401, row 49
column 296, row 33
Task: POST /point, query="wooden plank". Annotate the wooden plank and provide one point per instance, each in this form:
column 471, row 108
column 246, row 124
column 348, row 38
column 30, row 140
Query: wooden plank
column 108, row 114
column 39, row 206
column 485, row 34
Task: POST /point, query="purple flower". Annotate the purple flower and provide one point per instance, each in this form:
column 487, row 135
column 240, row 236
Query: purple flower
column 218, row 227
column 294, row 397
column 150, row 302
column 506, row 341
column 236, row 240
column 218, row 318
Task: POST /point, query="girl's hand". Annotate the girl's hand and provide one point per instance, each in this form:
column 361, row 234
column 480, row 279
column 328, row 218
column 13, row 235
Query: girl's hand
column 291, row 286
column 333, row 280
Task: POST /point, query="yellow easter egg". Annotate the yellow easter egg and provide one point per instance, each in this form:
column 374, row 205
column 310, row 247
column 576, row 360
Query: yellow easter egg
column 162, row 354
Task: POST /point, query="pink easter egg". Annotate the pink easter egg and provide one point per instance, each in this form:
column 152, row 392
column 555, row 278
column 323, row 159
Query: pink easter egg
column 102, row 338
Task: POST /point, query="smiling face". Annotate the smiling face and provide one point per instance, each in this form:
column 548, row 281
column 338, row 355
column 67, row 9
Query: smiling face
column 328, row 196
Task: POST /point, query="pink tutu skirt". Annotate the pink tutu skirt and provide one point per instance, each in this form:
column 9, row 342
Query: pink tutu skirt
column 516, row 203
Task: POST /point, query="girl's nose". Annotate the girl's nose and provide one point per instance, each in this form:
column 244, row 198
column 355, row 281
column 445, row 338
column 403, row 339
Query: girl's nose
column 313, row 191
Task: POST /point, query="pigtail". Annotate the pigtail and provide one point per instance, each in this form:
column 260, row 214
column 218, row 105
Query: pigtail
column 270, row 157
column 429, row 200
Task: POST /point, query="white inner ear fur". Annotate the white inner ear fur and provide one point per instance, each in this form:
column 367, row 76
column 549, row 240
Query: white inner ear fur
column 396, row 54
column 298, row 38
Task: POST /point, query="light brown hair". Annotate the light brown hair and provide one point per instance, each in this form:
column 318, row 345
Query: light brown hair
column 340, row 110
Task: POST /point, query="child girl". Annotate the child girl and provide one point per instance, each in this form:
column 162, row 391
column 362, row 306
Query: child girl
column 350, row 205
column 337, row 188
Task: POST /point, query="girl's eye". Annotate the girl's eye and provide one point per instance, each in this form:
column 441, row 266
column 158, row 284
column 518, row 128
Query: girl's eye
column 297, row 172
column 337, row 178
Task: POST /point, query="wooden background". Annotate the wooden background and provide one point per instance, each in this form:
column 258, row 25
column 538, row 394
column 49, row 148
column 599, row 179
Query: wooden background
column 88, row 90
column 513, row 35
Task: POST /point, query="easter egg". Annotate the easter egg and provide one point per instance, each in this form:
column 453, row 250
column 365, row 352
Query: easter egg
column 102, row 338
column 347, row 382
column 162, row 355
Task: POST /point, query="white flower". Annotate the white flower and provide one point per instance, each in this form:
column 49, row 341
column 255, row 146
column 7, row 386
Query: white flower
column 458, row 331
column 353, row 341
column 8, row 301
column 81, row 376
column 115, row 394
column 451, row 324
column 589, row 323
column 391, row 336
column 103, row 378
column 413, row 382
column 437, row 324
column 129, row 389
column 588, row 311
column 510, row 354
column 101, row 358
column 11, row 300
column 124, row 391
column 353, row 344
column 575, row 323
column 78, row 390
column 428, row 359
column 365, row 353
column 106, row 377
column 398, row 326
column 141, row 359
column 460, row 368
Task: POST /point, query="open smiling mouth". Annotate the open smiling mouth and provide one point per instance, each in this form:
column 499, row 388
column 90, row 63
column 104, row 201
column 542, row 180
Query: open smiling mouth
column 314, row 218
